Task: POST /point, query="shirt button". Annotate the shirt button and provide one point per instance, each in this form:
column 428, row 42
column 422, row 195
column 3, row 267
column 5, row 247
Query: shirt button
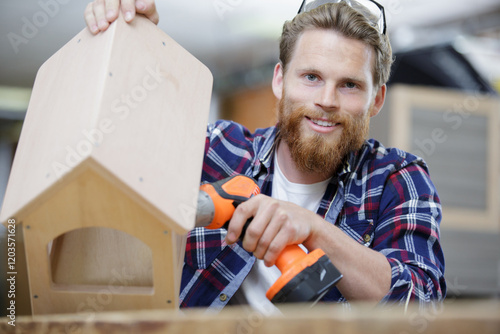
column 367, row 237
column 222, row 297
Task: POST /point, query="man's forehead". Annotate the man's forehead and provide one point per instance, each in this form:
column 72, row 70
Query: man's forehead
column 324, row 40
column 316, row 45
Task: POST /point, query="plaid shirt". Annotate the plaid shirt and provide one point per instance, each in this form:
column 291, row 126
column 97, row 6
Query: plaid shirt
column 383, row 198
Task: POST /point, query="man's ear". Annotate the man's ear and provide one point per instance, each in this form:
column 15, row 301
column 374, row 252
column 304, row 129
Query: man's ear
column 278, row 81
column 378, row 103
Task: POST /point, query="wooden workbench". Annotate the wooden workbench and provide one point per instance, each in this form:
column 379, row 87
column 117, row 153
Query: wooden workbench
column 453, row 317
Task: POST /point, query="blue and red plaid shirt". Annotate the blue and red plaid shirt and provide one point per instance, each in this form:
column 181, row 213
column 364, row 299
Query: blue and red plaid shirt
column 383, row 198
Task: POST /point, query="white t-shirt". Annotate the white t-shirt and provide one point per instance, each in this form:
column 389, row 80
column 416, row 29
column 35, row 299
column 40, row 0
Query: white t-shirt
column 259, row 280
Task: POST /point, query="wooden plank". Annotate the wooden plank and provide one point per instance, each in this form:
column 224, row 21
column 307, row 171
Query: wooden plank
column 454, row 317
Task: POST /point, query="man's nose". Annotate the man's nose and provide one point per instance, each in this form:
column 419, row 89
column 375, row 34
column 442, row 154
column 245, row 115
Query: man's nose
column 327, row 98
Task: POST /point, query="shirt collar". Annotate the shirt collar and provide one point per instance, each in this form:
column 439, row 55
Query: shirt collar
column 265, row 149
column 353, row 159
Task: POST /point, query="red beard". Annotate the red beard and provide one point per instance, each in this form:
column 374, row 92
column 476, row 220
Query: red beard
column 317, row 153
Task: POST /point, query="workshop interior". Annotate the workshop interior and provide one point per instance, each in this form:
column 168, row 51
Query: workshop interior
column 443, row 103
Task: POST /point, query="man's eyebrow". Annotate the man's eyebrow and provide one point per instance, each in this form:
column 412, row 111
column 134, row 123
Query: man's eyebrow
column 313, row 70
column 353, row 79
column 308, row 70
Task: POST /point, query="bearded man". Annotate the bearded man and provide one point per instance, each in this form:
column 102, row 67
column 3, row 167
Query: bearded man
column 373, row 210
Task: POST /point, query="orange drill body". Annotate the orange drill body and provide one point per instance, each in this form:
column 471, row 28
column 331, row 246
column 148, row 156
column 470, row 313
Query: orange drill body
column 227, row 195
column 306, row 277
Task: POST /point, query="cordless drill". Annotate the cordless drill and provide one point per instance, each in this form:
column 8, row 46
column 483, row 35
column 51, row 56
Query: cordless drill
column 305, row 277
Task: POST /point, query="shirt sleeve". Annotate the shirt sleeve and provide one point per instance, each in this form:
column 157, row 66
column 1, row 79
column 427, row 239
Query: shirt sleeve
column 408, row 234
column 228, row 151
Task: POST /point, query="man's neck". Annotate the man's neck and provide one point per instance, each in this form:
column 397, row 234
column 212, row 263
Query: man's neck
column 290, row 170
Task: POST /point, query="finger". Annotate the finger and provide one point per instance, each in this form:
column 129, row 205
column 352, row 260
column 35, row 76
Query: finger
column 128, row 9
column 241, row 215
column 99, row 9
column 112, row 8
column 148, row 8
column 284, row 232
column 260, row 228
column 275, row 248
column 266, row 239
column 90, row 20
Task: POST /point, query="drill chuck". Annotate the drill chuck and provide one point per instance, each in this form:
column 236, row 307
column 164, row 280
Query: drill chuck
column 205, row 211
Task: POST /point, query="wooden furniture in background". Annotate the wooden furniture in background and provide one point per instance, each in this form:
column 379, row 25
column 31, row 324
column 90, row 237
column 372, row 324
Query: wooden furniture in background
column 105, row 179
column 253, row 108
column 458, row 135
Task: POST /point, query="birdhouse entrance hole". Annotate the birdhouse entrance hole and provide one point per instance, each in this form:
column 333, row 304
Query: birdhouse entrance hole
column 97, row 258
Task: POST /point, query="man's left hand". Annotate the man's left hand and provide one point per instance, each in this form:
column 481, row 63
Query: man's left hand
column 275, row 224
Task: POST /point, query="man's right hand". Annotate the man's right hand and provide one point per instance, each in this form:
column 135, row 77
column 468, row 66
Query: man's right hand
column 100, row 13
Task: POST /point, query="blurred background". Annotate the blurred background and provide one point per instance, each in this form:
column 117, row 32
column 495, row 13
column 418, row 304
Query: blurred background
column 446, row 78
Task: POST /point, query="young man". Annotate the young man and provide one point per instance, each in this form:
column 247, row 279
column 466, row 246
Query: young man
column 373, row 210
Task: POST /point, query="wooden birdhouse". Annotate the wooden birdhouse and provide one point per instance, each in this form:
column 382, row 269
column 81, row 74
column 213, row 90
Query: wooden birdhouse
column 106, row 175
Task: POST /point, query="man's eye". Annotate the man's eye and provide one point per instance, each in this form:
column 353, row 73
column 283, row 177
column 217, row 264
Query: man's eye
column 350, row 85
column 311, row 77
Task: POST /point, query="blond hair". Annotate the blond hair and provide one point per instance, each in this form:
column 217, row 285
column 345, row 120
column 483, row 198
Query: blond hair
column 349, row 22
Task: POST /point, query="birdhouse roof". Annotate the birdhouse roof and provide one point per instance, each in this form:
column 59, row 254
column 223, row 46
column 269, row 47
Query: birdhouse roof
column 129, row 100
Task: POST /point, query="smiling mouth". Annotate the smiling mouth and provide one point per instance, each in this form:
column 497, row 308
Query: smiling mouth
column 323, row 123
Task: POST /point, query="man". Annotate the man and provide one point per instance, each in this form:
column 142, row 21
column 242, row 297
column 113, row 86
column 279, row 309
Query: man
column 374, row 211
